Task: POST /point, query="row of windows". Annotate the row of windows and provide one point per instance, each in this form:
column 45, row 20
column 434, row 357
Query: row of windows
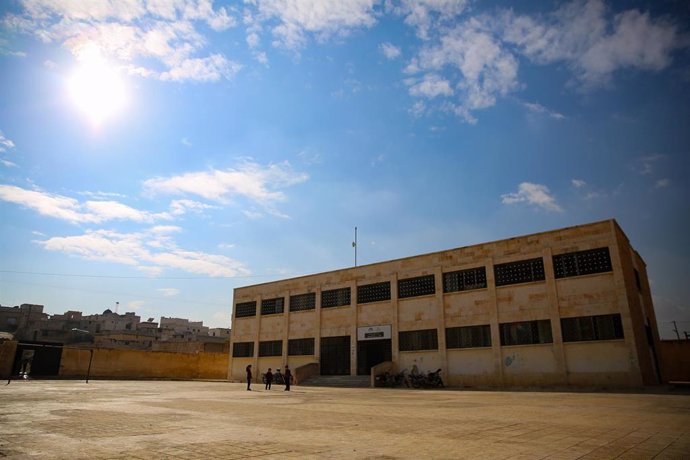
column 523, row 271
column 584, row 328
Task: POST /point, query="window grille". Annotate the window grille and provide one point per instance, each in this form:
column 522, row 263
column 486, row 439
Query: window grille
column 376, row 292
column 272, row 306
column 335, row 297
column 243, row 349
column 414, row 287
column 271, row 348
column 584, row 328
column 303, row 302
column 468, row 336
column 298, row 347
column 523, row 271
column 426, row 339
column 582, row 263
column 464, row 280
column 526, row 332
column 245, row 309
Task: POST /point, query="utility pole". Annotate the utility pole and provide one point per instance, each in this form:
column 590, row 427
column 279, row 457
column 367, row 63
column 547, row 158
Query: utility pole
column 675, row 329
column 354, row 245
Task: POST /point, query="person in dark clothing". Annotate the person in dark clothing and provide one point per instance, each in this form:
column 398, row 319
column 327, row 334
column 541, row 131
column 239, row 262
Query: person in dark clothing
column 269, row 379
column 288, row 378
column 249, row 377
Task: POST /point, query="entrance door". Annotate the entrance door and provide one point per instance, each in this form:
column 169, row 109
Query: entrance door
column 335, row 355
column 44, row 361
column 370, row 353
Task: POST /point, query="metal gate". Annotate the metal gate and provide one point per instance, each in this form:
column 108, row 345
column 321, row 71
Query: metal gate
column 335, row 355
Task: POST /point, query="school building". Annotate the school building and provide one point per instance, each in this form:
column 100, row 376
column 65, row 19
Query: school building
column 564, row 307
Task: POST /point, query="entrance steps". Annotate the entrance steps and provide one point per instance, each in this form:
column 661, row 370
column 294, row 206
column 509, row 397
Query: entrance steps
column 338, row 381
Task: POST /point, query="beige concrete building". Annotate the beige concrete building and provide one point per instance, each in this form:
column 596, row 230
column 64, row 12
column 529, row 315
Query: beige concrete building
column 564, row 307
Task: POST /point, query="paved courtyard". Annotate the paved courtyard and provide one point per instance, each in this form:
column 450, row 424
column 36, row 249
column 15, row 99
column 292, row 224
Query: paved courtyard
column 200, row 420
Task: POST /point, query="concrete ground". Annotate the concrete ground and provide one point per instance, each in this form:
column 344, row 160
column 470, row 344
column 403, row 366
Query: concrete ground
column 200, row 420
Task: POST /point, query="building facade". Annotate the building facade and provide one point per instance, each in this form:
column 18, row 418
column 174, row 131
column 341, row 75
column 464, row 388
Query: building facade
column 564, row 307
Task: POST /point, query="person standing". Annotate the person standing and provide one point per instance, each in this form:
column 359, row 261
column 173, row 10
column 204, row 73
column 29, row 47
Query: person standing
column 249, row 377
column 288, row 378
column 269, row 379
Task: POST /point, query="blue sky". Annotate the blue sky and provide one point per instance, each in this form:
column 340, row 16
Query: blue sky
column 161, row 153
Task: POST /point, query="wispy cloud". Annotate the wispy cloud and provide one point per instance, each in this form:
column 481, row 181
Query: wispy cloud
column 149, row 252
column 540, row 109
column 169, row 292
column 534, row 194
column 389, row 50
column 5, row 143
column 8, row 163
column 645, row 165
column 262, row 185
column 578, row 183
column 662, row 183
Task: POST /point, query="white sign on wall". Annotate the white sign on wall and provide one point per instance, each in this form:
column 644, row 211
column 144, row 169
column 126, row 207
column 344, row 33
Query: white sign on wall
column 374, row 332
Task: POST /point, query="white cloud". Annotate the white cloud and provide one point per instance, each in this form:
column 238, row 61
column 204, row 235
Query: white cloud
column 578, row 183
column 540, row 109
column 8, row 163
column 134, row 33
column 594, row 46
column 134, row 305
column 645, row 165
column 133, row 249
column 163, row 229
column 662, row 183
column 257, row 183
column 483, row 68
column 5, row 143
column 389, row 50
column 226, row 246
column 430, row 86
column 426, row 15
column 321, row 18
column 186, row 142
column 535, row 194
column 169, row 292
column 252, row 215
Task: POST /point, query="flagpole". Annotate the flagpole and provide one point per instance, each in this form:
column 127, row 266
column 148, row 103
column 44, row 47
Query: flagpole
column 354, row 245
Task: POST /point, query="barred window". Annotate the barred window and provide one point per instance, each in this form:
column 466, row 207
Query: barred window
column 419, row 285
column 468, row 336
column 298, row 347
column 272, row 306
column 600, row 327
column 243, row 349
column 526, row 332
column 523, row 271
column 426, row 339
column 376, row 292
column 245, row 309
column 271, row 348
column 303, row 302
column 335, row 297
column 582, row 263
column 464, row 280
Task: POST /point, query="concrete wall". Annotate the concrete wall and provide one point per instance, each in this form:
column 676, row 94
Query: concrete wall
column 139, row 364
column 674, row 357
column 625, row 362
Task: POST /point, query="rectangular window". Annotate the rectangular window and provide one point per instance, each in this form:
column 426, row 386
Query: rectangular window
column 426, row 339
column 245, row 309
column 243, row 349
column 582, row 263
column 414, row 287
column 376, row 292
column 303, row 302
column 464, row 280
column 271, row 348
column 468, row 336
column 335, row 298
column 298, row 347
column 637, row 280
column 526, row 332
column 522, row 271
column 272, row 306
column 584, row 328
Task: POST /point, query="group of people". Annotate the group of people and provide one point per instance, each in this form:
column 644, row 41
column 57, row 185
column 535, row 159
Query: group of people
column 287, row 377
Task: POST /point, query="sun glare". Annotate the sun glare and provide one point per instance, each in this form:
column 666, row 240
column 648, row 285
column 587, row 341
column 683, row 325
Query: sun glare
column 96, row 88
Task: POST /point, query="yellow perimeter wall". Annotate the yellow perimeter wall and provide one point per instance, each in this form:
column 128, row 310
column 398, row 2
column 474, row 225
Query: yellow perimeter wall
column 138, row 364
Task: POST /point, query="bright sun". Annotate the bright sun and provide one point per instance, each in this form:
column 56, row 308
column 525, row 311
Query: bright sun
column 96, row 88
